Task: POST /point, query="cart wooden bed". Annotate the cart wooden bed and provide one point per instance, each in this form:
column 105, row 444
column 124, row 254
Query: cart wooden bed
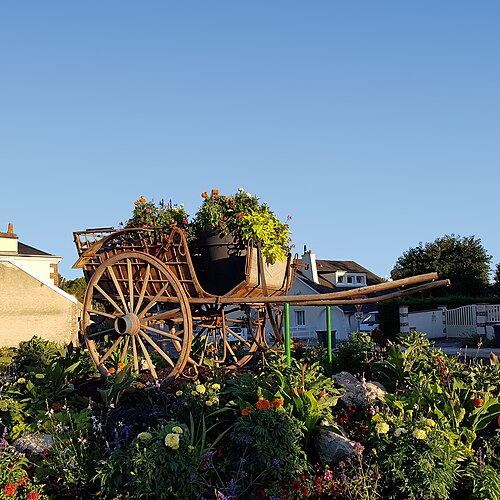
column 145, row 306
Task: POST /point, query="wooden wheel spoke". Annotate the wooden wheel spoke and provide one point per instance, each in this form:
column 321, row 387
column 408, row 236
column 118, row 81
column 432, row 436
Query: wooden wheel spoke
column 118, row 288
column 125, row 349
column 154, row 300
column 109, row 299
column 93, row 335
column 101, row 313
column 158, row 349
column 110, row 350
column 130, row 284
column 143, row 289
column 148, row 359
column 163, row 333
column 134, row 353
column 165, row 315
column 233, row 355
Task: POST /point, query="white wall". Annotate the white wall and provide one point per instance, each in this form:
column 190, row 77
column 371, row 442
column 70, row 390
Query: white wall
column 428, row 322
column 37, row 265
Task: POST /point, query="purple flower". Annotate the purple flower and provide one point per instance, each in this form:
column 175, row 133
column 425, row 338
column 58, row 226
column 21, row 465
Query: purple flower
column 276, row 463
column 328, row 475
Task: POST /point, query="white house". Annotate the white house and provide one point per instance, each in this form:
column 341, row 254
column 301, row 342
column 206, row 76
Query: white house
column 327, row 276
column 30, row 301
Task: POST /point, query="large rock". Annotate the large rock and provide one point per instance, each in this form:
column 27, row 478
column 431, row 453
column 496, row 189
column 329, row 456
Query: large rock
column 333, row 447
column 358, row 393
column 34, row 443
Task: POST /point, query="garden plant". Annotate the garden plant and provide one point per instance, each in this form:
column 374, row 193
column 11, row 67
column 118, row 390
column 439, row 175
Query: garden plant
column 253, row 434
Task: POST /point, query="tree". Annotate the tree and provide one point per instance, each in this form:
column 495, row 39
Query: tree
column 74, row 287
column 463, row 261
column 495, row 287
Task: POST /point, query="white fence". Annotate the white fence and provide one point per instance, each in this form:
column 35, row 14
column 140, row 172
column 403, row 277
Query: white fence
column 465, row 321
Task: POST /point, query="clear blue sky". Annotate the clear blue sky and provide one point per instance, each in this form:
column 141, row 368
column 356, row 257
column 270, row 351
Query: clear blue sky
column 374, row 124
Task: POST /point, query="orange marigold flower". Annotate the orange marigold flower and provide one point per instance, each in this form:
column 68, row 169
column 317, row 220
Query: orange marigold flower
column 10, row 489
column 121, row 366
column 33, row 495
column 111, row 371
column 263, row 404
column 478, row 402
column 215, row 192
column 277, row 402
column 204, row 194
column 142, row 199
column 137, row 202
column 322, row 394
column 245, row 412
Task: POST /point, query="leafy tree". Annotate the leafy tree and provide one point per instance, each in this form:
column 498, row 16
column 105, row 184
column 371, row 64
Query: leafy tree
column 74, row 287
column 463, row 261
column 495, row 287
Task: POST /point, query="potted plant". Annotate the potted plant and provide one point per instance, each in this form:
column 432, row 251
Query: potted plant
column 224, row 227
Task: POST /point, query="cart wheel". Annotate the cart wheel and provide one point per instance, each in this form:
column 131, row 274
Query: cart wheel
column 137, row 313
column 225, row 338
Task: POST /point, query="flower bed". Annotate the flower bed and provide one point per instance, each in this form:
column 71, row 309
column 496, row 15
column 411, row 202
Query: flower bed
column 269, row 432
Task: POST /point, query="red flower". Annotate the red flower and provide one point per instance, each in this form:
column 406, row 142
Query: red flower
column 304, row 490
column 277, row 402
column 23, row 481
column 322, row 394
column 45, row 452
column 10, row 489
column 295, row 486
column 32, row 495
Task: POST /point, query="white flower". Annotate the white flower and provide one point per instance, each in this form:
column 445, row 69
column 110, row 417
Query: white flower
column 399, row 431
column 177, row 429
column 143, row 436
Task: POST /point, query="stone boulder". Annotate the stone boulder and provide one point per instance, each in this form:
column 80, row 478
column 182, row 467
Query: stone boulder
column 33, row 443
column 333, row 447
column 358, row 393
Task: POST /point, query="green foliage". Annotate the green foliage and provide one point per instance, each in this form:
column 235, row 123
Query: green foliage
column 464, row 261
column 416, row 461
column 15, row 481
column 271, row 441
column 355, row 354
column 76, row 287
column 157, row 215
column 160, row 463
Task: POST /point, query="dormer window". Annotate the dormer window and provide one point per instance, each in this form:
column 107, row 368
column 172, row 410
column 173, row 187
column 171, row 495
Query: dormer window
column 350, row 279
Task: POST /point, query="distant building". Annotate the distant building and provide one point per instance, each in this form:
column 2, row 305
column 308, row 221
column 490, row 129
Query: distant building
column 327, row 276
column 30, row 301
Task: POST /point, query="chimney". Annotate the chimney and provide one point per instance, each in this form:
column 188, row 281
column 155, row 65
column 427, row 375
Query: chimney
column 309, row 270
column 8, row 241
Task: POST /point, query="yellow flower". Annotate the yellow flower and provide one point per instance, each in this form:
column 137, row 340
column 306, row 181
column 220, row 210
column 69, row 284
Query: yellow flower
column 172, row 441
column 177, row 429
column 215, row 387
column 382, row 428
column 144, row 436
column 209, row 402
column 377, row 418
column 201, row 389
column 21, row 380
column 179, row 393
column 194, row 393
column 419, row 434
column 430, row 423
column 39, row 375
column 399, row 431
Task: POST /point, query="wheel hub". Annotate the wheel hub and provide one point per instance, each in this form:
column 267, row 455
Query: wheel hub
column 128, row 324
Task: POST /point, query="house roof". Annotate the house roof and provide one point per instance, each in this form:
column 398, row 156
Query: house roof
column 325, row 267
column 24, row 249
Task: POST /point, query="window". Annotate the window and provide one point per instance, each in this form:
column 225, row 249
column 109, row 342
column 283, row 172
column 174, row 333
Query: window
column 349, row 279
column 340, row 279
column 359, row 279
column 300, row 318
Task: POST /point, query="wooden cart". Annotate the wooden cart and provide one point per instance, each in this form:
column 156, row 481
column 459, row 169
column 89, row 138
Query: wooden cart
column 144, row 304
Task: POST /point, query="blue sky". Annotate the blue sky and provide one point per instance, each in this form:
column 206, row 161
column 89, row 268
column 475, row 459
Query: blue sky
column 375, row 125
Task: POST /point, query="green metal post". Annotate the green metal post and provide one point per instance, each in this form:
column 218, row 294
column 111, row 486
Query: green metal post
column 288, row 350
column 329, row 336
